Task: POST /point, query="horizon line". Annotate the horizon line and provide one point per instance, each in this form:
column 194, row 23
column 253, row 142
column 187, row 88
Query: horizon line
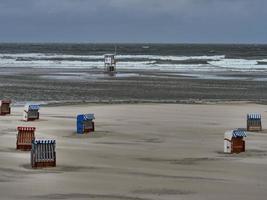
column 142, row 43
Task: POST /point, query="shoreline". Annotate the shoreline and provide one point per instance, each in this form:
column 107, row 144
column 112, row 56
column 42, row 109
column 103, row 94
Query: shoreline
column 141, row 102
column 148, row 87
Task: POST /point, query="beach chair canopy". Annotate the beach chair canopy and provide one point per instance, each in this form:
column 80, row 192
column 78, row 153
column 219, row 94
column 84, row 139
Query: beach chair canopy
column 239, row 133
column 235, row 134
column 44, row 142
column 32, row 107
column 254, row 116
column 5, row 101
column 85, row 117
column 22, row 128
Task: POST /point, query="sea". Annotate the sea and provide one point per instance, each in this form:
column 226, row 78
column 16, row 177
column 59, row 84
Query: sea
column 165, row 57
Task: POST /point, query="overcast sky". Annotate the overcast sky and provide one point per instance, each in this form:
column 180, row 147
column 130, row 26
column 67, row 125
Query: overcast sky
column 179, row 21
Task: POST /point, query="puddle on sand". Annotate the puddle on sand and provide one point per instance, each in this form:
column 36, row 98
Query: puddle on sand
column 85, row 76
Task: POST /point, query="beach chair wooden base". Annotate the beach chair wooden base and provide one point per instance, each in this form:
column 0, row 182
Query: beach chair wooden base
column 5, row 113
column 44, row 164
column 24, row 147
column 87, row 131
column 254, row 128
column 238, row 145
column 31, row 119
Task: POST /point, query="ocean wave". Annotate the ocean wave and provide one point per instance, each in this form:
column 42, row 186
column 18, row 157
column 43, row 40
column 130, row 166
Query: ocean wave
column 125, row 65
column 239, row 64
column 128, row 62
column 174, row 58
column 36, row 56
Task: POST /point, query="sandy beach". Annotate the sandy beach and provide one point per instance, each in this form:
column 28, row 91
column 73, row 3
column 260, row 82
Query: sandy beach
column 139, row 151
column 133, row 100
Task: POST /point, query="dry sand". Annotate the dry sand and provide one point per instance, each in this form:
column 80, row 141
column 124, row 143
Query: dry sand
column 142, row 152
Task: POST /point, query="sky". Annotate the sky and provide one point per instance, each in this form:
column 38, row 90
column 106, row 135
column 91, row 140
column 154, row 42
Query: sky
column 134, row 21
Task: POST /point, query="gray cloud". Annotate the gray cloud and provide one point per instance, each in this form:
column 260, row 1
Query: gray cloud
column 133, row 20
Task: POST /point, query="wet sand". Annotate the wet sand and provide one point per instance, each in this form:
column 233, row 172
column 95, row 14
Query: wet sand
column 135, row 86
column 138, row 152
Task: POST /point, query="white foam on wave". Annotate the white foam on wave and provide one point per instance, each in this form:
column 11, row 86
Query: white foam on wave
column 142, row 62
column 49, row 56
column 149, row 63
column 127, row 65
column 68, row 64
column 171, row 58
column 239, row 64
column 93, row 57
column 48, row 64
